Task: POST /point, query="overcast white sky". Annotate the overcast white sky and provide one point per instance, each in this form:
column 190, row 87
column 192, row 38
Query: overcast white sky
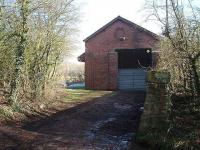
column 96, row 13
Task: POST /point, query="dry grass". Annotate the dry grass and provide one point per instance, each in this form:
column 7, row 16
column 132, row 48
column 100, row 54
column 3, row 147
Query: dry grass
column 56, row 100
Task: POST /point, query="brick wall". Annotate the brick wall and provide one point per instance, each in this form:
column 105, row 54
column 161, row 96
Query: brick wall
column 101, row 65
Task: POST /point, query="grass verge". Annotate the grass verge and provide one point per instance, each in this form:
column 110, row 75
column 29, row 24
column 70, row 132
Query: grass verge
column 59, row 100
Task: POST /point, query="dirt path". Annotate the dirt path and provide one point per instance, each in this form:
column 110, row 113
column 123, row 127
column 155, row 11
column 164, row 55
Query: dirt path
column 106, row 123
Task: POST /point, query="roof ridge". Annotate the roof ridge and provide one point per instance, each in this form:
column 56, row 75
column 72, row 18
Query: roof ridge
column 123, row 19
column 140, row 27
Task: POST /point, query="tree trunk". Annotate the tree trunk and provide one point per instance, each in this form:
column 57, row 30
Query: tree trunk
column 19, row 56
column 196, row 77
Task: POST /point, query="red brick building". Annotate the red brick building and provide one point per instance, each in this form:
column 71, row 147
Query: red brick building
column 117, row 56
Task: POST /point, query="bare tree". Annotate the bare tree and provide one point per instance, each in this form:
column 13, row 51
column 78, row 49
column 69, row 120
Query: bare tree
column 35, row 36
column 180, row 55
column 181, row 41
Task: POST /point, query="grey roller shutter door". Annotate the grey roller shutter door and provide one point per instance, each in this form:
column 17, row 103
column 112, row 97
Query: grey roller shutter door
column 132, row 79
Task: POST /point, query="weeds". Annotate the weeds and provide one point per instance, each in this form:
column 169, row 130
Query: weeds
column 54, row 101
column 6, row 112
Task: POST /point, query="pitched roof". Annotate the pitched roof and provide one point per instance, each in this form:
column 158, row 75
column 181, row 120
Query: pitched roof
column 124, row 20
column 81, row 58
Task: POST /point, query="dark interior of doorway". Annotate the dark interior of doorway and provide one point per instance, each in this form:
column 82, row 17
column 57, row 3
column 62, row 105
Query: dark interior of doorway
column 134, row 58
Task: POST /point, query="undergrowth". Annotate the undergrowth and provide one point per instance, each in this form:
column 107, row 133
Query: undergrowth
column 180, row 132
column 54, row 100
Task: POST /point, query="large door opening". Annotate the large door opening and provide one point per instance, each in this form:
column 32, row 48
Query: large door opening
column 132, row 66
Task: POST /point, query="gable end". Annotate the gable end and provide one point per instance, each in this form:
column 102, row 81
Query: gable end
column 127, row 22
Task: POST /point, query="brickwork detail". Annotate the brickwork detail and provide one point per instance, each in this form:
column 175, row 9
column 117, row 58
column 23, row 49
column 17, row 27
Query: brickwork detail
column 101, row 60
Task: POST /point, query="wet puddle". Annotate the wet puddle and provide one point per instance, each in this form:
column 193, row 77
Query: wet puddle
column 115, row 133
column 100, row 138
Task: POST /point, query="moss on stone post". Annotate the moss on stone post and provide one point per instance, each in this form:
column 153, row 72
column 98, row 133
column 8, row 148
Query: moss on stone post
column 153, row 121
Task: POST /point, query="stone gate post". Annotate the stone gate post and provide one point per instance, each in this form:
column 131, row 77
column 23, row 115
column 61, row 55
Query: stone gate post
column 156, row 103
